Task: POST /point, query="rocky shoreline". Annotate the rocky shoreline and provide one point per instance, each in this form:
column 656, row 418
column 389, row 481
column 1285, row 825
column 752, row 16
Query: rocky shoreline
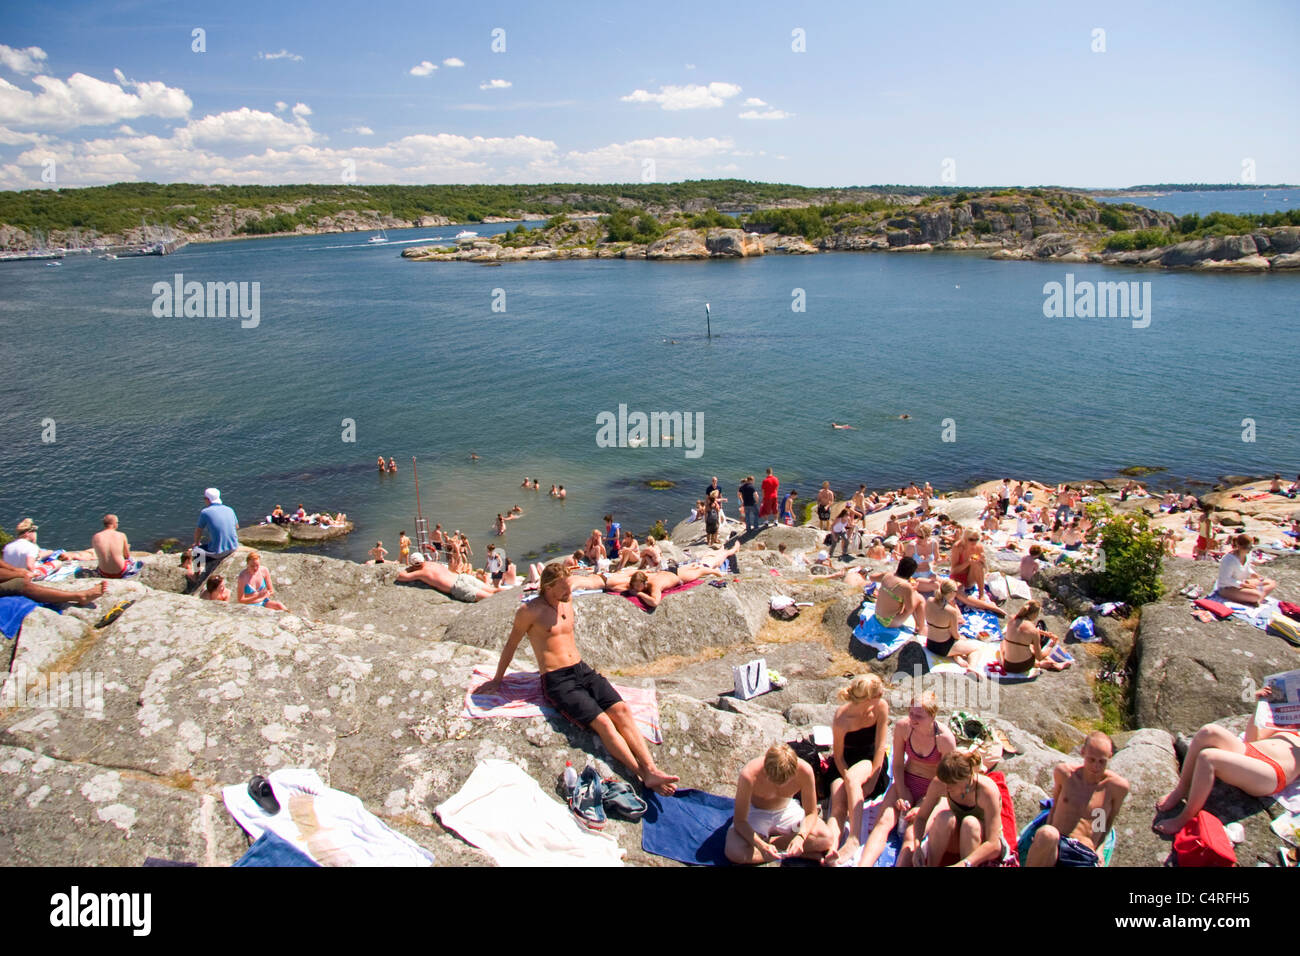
column 1276, row 249
column 364, row 681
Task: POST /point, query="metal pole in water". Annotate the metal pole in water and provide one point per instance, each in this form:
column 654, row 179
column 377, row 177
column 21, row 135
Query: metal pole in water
column 708, row 323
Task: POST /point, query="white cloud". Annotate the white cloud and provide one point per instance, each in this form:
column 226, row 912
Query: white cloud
column 423, row 68
column 495, row 85
column 301, row 110
column 765, row 115
column 82, row 100
column 691, row 97
column 453, row 61
column 675, row 158
column 282, row 55
column 360, row 130
column 690, row 66
column 244, row 126
column 753, row 101
column 22, row 61
column 9, row 137
column 281, row 106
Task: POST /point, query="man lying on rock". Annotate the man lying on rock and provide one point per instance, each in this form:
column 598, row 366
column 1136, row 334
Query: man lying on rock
column 570, row 686
column 461, row 587
column 1085, row 804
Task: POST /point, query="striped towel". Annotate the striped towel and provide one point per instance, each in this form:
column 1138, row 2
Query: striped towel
column 521, row 696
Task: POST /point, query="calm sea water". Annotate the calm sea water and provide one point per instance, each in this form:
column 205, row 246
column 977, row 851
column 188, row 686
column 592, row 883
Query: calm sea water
column 1240, row 201
column 146, row 411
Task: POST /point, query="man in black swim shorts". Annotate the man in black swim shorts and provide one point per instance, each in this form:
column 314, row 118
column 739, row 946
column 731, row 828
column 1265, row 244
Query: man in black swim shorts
column 573, row 688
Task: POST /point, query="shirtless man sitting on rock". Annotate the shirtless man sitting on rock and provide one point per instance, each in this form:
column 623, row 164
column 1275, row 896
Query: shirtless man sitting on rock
column 461, row 587
column 770, row 824
column 112, row 549
column 1087, row 800
column 573, row 688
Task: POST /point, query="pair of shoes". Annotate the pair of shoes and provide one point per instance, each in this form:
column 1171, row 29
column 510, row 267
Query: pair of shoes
column 620, row 797
column 587, row 800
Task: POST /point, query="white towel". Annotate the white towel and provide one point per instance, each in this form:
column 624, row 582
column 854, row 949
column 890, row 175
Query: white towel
column 502, row 810
column 332, row 827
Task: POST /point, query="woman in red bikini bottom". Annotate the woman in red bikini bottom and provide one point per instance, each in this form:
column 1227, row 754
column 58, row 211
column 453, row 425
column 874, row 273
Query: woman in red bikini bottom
column 1265, row 763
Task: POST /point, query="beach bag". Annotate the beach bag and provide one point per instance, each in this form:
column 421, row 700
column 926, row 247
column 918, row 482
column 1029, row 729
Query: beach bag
column 1204, row 842
column 1290, row 610
column 783, row 608
column 751, row 679
column 1284, row 628
column 820, row 761
column 1219, row 610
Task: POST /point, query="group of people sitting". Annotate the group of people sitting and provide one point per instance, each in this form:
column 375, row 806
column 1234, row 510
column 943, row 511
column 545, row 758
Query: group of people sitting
column 938, row 806
column 322, row 519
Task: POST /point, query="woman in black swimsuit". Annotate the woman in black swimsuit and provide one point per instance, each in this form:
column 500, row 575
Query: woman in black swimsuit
column 1022, row 646
column 861, row 730
column 961, row 815
column 942, row 619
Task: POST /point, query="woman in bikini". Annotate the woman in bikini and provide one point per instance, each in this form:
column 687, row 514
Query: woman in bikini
column 960, row 816
column 1264, row 764
column 967, row 564
column 896, row 601
column 859, row 728
column 1022, row 645
column 927, row 552
column 922, row 741
column 595, row 548
column 942, row 619
column 254, row 584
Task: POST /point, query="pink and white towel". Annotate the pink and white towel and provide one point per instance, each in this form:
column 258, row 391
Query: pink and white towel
column 521, row 696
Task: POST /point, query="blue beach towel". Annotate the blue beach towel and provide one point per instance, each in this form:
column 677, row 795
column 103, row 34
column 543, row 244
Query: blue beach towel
column 885, row 640
column 979, row 625
column 689, row 827
column 270, row 849
column 12, row 611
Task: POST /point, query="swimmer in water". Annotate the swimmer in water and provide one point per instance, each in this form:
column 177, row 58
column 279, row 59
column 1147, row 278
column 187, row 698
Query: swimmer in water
column 904, row 416
column 838, row 425
column 473, row 457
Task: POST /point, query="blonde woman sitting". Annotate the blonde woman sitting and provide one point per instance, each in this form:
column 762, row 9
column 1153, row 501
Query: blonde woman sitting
column 860, row 728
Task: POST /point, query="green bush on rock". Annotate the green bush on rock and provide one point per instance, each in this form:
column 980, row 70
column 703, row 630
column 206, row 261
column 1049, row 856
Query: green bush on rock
column 1131, row 555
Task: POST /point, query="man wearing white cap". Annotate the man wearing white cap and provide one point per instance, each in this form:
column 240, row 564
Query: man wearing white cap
column 221, row 526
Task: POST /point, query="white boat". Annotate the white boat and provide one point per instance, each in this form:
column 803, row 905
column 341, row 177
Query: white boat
column 466, row 234
column 380, row 236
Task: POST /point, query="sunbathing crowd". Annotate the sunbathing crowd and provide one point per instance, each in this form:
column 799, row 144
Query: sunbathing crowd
column 937, row 803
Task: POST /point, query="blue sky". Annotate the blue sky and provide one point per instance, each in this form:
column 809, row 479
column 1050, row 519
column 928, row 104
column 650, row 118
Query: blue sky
column 1013, row 93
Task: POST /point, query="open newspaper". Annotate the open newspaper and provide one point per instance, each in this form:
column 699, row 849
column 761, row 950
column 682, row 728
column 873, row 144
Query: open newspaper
column 1282, row 708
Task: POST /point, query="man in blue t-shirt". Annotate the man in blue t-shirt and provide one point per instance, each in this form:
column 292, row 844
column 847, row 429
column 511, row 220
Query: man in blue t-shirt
column 612, row 534
column 218, row 521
